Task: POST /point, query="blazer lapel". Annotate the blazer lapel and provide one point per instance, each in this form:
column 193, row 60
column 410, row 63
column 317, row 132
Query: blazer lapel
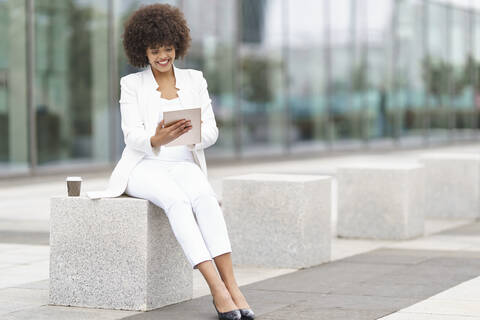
column 184, row 87
column 151, row 95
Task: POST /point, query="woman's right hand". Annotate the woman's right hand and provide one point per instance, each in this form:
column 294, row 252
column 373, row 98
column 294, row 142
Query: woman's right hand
column 170, row 132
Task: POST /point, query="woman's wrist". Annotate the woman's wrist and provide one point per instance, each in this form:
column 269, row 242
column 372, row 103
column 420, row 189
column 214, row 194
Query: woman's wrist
column 154, row 141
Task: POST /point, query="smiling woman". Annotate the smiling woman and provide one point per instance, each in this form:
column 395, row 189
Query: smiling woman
column 155, row 26
column 173, row 177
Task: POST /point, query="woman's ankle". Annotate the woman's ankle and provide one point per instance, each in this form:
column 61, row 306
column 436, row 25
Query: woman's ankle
column 232, row 284
column 237, row 296
column 221, row 292
column 222, row 299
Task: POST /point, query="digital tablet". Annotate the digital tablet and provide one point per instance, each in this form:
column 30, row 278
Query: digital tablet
column 194, row 134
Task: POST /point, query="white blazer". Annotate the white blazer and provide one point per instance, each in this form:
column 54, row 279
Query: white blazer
column 137, row 103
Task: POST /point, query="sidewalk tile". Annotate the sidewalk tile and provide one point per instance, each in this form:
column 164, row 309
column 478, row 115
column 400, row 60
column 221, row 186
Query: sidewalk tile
column 66, row 313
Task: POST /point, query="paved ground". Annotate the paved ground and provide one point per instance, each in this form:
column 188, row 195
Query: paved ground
column 365, row 286
column 433, row 277
column 420, row 284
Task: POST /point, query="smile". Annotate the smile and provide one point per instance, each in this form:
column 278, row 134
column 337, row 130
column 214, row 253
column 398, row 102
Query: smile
column 164, row 63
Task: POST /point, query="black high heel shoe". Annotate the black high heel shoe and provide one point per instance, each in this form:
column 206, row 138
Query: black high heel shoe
column 229, row 315
column 247, row 314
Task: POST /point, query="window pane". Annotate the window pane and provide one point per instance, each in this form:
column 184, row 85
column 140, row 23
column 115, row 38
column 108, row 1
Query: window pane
column 306, row 74
column 438, row 69
column 462, row 96
column 71, row 81
column 13, row 95
column 345, row 112
column 262, row 77
column 379, row 45
column 408, row 96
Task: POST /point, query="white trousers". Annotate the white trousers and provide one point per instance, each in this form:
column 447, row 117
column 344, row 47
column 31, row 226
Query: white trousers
column 178, row 187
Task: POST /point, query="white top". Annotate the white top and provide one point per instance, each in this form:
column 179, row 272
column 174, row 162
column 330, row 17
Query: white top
column 175, row 153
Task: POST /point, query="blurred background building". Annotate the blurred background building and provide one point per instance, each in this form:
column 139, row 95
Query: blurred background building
column 285, row 76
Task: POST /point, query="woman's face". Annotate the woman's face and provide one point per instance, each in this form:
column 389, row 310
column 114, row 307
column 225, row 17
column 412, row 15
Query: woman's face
column 161, row 58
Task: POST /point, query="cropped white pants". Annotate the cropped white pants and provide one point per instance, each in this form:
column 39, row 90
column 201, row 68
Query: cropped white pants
column 178, row 187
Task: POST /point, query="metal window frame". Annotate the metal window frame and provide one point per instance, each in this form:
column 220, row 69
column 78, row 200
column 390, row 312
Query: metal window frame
column 237, row 135
column 30, row 64
column 393, row 65
column 328, row 75
column 288, row 121
column 425, row 53
column 476, row 79
column 450, row 80
column 471, row 45
column 113, row 94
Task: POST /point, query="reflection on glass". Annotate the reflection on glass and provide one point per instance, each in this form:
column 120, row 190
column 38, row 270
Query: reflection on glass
column 463, row 67
column 408, row 100
column 437, row 71
column 261, row 74
column 13, row 94
column 346, row 79
column 416, row 114
column 306, row 75
column 71, row 80
column 379, row 43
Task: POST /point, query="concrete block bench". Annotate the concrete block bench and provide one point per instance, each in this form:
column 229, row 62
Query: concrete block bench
column 278, row 220
column 115, row 253
column 380, row 201
column 453, row 184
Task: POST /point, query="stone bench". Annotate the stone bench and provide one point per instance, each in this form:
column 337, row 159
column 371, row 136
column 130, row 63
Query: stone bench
column 278, row 220
column 453, row 184
column 380, row 201
column 115, row 253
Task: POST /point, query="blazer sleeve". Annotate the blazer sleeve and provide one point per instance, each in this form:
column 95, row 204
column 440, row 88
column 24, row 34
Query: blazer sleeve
column 209, row 125
column 134, row 133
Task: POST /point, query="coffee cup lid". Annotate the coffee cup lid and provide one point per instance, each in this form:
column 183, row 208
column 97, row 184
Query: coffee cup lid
column 74, row 179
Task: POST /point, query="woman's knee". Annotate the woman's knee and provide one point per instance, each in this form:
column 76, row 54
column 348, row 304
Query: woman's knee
column 174, row 202
column 205, row 199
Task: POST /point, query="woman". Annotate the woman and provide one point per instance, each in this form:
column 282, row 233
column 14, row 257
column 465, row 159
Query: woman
column 154, row 37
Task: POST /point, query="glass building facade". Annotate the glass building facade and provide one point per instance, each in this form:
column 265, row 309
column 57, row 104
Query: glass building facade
column 285, row 76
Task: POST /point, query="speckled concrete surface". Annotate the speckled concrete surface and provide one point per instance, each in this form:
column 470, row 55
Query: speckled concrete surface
column 381, row 201
column 277, row 220
column 453, row 184
column 115, row 253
